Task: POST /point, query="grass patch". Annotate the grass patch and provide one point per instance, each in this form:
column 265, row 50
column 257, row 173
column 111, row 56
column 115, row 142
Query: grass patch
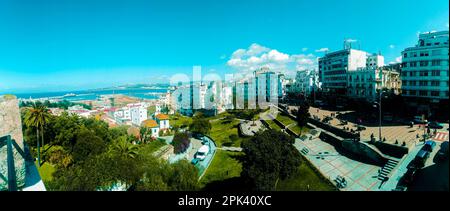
column 180, row 121
column 299, row 130
column 221, row 130
column 305, row 175
column 225, row 165
column 273, row 125
column 283, row 118
column 46, row 171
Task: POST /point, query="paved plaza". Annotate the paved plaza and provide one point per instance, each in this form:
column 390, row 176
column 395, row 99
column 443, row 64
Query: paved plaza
column 359, row 176
column 392, row 133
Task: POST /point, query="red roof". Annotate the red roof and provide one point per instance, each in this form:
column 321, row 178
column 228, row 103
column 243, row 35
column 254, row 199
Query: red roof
column 162, row 117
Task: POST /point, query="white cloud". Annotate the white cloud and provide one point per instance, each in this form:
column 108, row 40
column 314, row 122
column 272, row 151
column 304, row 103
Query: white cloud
column 322, row 50
column 397, row 60
column 391, row 46
column 351, row 40
column 256, row 56
column 304, row 49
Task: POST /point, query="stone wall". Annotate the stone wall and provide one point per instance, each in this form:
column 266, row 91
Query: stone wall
column 10, row 124
column 10, row 121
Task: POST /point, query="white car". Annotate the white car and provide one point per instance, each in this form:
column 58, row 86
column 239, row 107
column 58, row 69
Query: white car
column 202, row 152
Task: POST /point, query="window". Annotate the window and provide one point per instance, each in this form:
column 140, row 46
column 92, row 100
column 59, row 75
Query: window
column 423, row 63
column 424, row 53
column 423, row 93
column 412, row 83
column 434, row 83
column 412, row 92
column 423, row 73
column 434, row 93
column 404, row 73
column 405, row 55
column 436, row 52
column 423, row 83
column 435, row 62
column 435, row 73
column 413, row 64
column 428, row 44
column 412, row 73
column 414, row 54
column 436, row 43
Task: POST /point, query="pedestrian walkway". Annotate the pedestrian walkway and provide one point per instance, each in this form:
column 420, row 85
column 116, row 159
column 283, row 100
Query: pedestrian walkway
column 336, row 167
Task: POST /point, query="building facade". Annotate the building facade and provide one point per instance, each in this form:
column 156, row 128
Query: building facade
column 425, row 70
column 365, row 83
column 333, row 68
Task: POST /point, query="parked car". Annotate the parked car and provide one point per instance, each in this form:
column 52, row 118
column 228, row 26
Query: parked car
column 419, row 120
column 202, row 152
column 197, row 135
column 194, row 161
column 435, row 125
column 443, row 152
column 429, row 146
column 360, row 128
column 421, row 157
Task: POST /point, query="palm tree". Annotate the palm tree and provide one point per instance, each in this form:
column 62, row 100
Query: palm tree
column 124, row 148
column 37, row 117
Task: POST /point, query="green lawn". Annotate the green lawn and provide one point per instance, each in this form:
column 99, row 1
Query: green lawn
column 46, row 171
column 221, row 130
column 224, row 166
column 283, row 118
column 273, row 125
column 305, row 176
column 299, row 130
column 180, row 121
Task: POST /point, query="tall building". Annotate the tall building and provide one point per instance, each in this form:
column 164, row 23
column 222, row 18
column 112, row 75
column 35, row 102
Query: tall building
column 333, row 67
column 425, row 71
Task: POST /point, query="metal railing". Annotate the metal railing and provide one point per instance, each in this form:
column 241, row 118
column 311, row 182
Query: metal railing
column 11, row 177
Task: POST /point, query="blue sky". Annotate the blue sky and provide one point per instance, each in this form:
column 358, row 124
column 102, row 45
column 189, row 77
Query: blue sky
column 73, row 44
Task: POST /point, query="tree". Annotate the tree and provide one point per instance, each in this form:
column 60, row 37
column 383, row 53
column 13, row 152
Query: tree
column 180, row 142
column 183, row 177
column 270, row 156
column 87, row 144
column 124, row 148
column 302, row 114
column 200, row 124
column 37, row 117
column 145, row 134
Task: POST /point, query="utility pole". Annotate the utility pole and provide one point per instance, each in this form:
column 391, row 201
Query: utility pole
column 379, row 125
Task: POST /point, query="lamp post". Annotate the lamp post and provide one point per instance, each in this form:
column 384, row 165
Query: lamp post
column 379, row 113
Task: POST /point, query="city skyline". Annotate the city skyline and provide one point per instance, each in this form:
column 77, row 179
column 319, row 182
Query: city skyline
column 80, row 47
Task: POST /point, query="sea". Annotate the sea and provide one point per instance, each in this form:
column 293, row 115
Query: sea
column 140, row 93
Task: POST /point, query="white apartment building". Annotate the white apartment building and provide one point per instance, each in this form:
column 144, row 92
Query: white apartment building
column 132, row 113
column 334, row 66
column 365, row 83
column 306, row 81
column 425, row 69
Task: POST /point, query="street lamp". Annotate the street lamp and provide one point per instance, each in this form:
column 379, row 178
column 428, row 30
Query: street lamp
column 379, row 106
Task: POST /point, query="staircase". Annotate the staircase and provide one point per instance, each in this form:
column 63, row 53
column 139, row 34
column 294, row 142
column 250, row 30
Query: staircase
column 387, row 168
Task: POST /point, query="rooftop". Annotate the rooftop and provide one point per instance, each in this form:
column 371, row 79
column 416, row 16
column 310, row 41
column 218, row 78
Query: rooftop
column 150, row 123
column 162, row 117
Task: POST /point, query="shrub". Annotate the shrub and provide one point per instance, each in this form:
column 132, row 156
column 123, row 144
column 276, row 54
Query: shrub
column 180, row 142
